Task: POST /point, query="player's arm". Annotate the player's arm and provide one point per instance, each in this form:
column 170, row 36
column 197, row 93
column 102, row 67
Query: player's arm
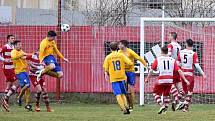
column 153, row 67
column 197, row 66
column 15, row 56
column 179, row 59
column 136, row 56
column 176, row 68
column 170, row 48
column 106, row 69
column 1, row 51
column 59, row 53
column 41, row 50
column 127, row 60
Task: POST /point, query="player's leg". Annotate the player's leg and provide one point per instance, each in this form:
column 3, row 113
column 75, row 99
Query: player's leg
column 189, row 94
column 46, row 100
column 157, row 99
column 117, row 86
column 14, row 85
column 51, row 65
column 24, row 82
column 165, row 90
column 54, row 74
column 8, row 86
column 38, row 88
column 131, row 92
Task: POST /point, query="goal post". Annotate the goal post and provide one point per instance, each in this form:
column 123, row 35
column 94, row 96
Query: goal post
column 186, row 33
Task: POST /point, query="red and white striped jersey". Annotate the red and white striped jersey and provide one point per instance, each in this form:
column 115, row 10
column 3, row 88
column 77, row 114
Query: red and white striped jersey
column 173, row 49
column 187, row 59
column 34, row 60
column 166, row 66
column 5, row 52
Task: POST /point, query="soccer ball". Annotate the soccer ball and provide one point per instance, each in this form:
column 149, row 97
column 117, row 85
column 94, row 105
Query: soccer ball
column 65, row 27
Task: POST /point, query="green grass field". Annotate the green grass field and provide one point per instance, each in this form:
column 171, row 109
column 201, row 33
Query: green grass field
column 101, row 112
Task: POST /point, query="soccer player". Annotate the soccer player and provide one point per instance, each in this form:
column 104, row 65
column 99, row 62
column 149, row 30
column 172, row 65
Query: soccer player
column 177, row 91
column 188, row 59
column 48, row 49
column 166, row 66
column 130, row 72
column 8, row 69
column 20, row 64
column 114, row 67
column 39, row 85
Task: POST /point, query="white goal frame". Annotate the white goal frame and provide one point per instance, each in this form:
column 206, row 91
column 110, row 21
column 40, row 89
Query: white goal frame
column 142, row 40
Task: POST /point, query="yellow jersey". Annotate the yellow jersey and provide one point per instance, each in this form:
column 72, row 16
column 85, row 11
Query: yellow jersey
column 114, row 64
column 132, row 56
column 19, row 61
column 48, row 48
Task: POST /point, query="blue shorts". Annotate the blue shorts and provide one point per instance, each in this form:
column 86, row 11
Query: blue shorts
column 24, row 79
column 119, row 88
column 51, row 59
column 130, row 78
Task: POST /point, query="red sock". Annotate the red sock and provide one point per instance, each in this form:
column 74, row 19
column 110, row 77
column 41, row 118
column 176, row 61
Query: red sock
column 158, row 99
column 174, row 93
column 166, row 101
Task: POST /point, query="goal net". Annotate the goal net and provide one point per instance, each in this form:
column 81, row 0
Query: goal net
column 154, row 33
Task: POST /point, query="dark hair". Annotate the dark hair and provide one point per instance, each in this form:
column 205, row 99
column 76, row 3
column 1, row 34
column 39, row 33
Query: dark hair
column 51, row 34
column 164, row 49
column 174, row 35
column 124, row 42
column 10, row 35
column 113, row 46
column 189, row 42
column 16, row 42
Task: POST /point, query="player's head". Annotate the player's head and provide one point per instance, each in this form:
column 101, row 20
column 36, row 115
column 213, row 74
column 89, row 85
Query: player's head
column 113, row 46
column 172, row 36
column 164, row 50
column 17, row 45
column 123, row 44
column 51, row 35
column 10, row 38
column 37, row 50
column 189, row 43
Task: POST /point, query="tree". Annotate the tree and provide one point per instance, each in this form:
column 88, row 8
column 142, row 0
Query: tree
column 192, row 9
column 107, row 12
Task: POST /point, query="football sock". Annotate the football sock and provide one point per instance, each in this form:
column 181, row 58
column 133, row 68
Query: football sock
column 158, row 99
column 120, row 102
column 27, row 96
column 46, row 99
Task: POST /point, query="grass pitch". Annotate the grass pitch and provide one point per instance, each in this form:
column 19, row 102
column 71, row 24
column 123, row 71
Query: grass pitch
column 102, row 112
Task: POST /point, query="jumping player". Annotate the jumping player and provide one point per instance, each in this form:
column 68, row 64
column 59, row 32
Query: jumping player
column 47, row 51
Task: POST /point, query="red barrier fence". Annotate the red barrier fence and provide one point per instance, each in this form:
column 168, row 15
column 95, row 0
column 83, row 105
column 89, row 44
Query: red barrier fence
column 84, row 47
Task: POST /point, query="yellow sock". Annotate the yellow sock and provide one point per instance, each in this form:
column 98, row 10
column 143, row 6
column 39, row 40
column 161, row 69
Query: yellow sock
column 21, row 93
column 132, row 97
column 120, row 102
column 124, row 100
column 27, row 96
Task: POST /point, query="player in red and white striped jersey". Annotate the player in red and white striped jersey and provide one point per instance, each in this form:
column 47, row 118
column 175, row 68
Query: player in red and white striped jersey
column 173, row 49
column 8, row 69
column 166, row 66
column 35, row 65
column 188, row 59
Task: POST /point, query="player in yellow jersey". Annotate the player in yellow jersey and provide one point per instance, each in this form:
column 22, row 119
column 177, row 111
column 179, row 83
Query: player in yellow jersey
column 48, row 50
column 130, row 72
column 20, row 64
column 114, row 67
